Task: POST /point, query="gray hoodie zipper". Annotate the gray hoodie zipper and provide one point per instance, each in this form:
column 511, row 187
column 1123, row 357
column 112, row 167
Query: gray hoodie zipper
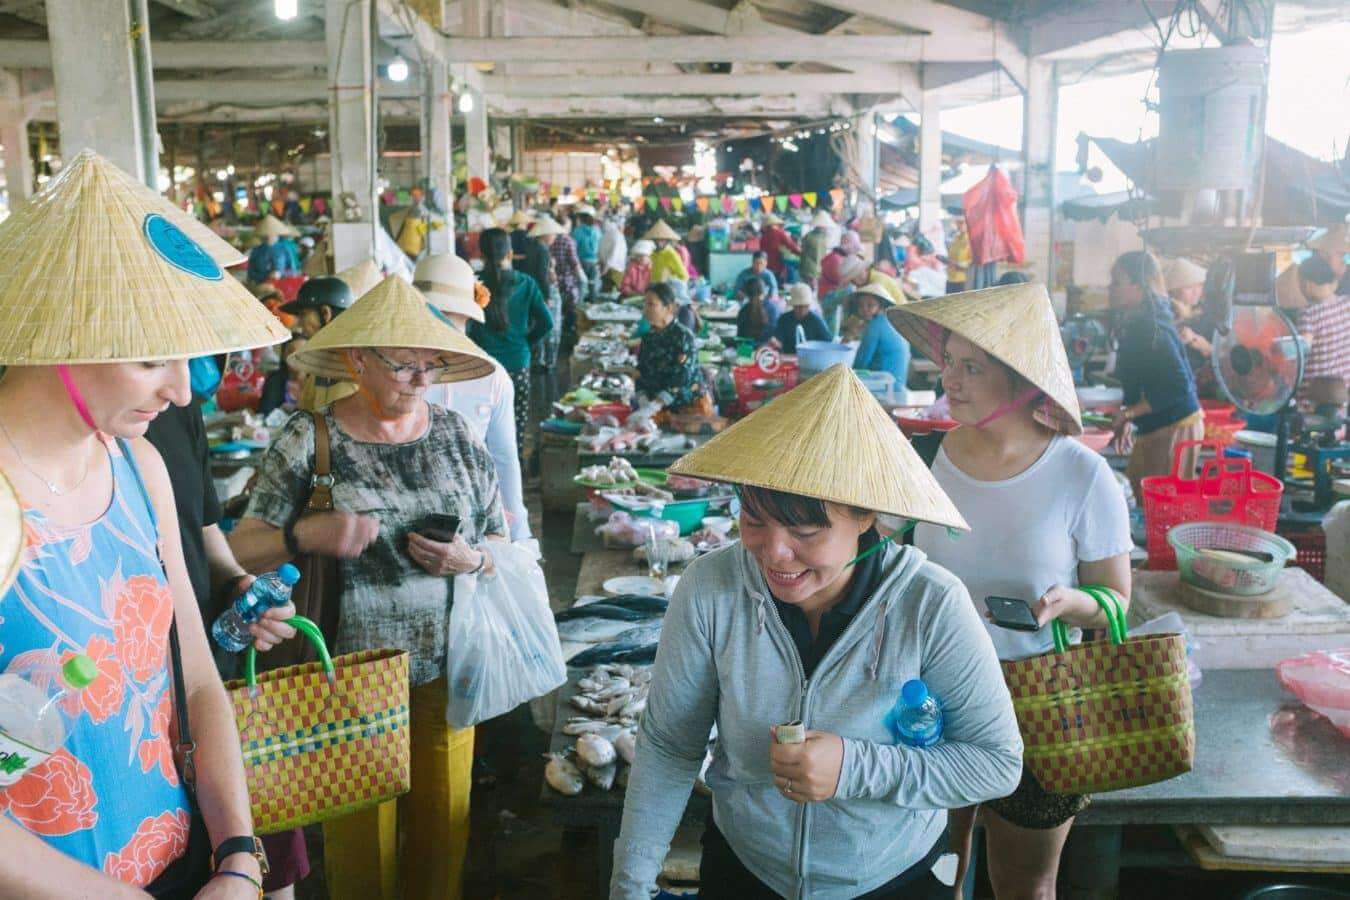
column 782, row 636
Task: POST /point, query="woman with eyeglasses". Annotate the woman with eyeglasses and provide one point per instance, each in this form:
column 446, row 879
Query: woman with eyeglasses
column 396, row 460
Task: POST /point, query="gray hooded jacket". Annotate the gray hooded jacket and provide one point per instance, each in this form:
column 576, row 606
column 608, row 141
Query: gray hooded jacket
column 726, row 657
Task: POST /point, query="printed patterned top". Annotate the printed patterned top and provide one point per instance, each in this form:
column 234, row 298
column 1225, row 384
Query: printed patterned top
column 668, row 361
column 387, row 599
column 1329, row 324
column 110, row 797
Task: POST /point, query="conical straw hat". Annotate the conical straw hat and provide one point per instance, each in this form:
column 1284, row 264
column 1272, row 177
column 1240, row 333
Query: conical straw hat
column 362, row 278
column 831, row 440
column 11, row 533
column 546, row 225
column 394, row 314
column 661, row 232
column 271, row 226
column 1013, row 323
column 99, row 268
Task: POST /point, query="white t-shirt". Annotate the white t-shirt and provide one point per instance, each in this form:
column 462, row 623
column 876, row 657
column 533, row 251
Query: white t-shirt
column 1029, row 532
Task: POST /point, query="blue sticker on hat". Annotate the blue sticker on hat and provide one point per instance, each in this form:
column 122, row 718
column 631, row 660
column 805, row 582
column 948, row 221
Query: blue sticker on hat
column 179, row 250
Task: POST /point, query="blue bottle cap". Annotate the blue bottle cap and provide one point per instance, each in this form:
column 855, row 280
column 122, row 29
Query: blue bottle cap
column 288, row 574
column 914, row 692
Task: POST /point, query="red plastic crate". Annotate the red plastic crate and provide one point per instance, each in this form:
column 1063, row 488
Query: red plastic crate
column 1310, row 551
column 1228, row 490
column 1222, row 427
column 749, row 399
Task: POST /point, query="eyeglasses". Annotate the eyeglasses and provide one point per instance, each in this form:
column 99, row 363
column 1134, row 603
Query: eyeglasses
column 403, row 372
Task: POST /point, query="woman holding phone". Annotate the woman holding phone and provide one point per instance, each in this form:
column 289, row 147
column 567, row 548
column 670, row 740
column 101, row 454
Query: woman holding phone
column 1046, row 515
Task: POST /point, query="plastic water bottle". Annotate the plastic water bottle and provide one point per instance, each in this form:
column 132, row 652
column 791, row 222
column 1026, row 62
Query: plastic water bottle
column 33, row 725
column 268, row 592
column 916, row 718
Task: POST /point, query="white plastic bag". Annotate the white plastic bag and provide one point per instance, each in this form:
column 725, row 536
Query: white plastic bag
column 503, row 645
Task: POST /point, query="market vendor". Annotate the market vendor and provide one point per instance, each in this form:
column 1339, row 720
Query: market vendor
column 773, row 240
column 271, row 259
column 319, row 301
column 1332, row 245
column 758, row 314
column 1160, row 399
column 395, row 459
column 668, row 262
column 1046, row 516
column 638, row 274
column 800, row 315
column 816, row 617
column 1185, row 281
column 760, row 271
column 815, row 245
column 882, row 348
column 668, row 368
column 1325, row 325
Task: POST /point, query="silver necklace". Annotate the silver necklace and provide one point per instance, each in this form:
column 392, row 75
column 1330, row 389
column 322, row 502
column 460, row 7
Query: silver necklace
column 51, row 485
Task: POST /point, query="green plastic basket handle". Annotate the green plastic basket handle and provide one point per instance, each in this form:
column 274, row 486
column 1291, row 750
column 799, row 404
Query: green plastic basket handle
column 1110, row 605
column 309, row 630
column 1060, row 634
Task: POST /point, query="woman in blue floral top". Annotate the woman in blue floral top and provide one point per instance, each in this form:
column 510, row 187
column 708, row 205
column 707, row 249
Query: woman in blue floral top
column 668, row 368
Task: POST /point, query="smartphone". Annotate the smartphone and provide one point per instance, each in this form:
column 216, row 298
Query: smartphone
column 438, row 527
column 1009, row 612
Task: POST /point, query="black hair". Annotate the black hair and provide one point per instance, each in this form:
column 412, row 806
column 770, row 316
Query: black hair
column 923, row 245
column 754, row 305
column 760, row 254
column 1014, row 278
column 885, row 251
column 1316, row 270
column 1141, row 268
column 663, row 292
column 791, row 510
column 495, row 245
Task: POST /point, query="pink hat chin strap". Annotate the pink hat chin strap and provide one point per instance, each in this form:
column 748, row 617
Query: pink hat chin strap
column 1021, row 400
column 76, row 398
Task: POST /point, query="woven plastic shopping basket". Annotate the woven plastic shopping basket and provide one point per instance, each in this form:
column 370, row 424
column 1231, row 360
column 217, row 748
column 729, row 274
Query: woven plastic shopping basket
column 322, row 739
column 1105, row 715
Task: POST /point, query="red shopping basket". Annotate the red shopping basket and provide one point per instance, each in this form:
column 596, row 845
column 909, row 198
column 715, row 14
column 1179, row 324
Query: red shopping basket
column 750, row 398
column 1226, row 491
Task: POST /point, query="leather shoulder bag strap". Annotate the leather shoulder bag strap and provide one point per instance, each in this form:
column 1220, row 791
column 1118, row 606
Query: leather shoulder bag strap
column 321, row 482
column 186, row 746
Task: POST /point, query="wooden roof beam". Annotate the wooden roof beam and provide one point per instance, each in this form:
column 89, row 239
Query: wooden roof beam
column 699, row 85
column 188, row 54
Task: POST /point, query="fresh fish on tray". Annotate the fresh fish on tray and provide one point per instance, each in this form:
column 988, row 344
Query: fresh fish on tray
column 592, row 630
column 626, row 745
column 602, row 776
column 563, row 776
column 602, row 611
column 613, row 653
column 641, row 602
column 595, row 751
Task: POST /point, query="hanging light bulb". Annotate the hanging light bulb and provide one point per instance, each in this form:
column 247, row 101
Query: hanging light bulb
column 466, row 102
column 398, row 69
column 287, row 9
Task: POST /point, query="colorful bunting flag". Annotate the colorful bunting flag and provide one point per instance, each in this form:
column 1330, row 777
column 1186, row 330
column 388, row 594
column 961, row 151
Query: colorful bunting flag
column 781, row 201
column 766, row 202
column 727, row 204
column 652, row 203
column 740, row 205
column 555, row 191
column 665, row 203
column 795, row 200
column 810, row 198
column 701, row 203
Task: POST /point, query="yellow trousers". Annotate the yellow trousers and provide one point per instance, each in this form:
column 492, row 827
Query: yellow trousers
column 418, row 842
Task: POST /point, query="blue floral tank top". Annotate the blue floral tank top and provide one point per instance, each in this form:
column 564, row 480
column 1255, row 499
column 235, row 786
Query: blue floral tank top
column 110, row 797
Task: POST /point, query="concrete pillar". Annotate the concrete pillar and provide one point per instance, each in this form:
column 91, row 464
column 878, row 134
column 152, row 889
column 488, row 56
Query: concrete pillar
column 930, row 167
column 18, row 161
column 1039, row 123
column 477, row 155
column 868, row 154
column 437, row 105
column 104, row 93
column 351, row 130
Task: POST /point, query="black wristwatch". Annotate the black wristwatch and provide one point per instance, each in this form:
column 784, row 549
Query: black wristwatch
column 245, row 844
